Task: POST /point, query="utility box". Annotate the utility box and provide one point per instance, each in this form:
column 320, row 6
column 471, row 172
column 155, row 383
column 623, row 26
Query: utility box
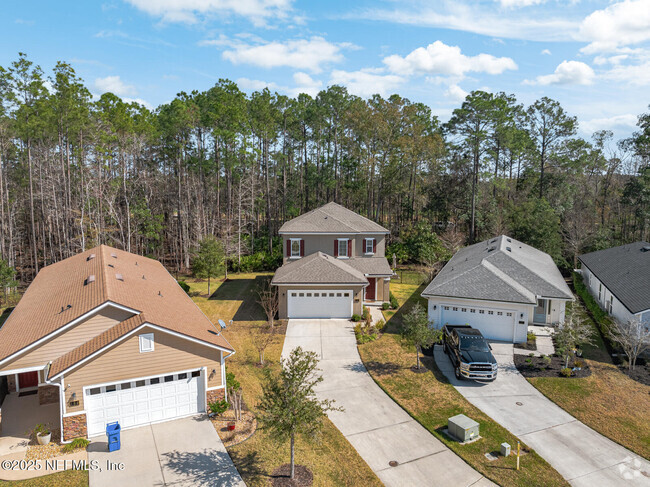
column 462, row 428
column 505, row 449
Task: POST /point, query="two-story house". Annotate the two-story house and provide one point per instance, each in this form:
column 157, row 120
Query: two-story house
column 334, row 260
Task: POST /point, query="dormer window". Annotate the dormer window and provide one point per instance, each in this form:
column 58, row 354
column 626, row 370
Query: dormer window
column 370, row 246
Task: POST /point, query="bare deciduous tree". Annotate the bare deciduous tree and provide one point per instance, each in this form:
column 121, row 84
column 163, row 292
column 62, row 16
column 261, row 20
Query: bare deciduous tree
column 262, row 337
column 633, row 337
column 268, row 299
column 573, row 332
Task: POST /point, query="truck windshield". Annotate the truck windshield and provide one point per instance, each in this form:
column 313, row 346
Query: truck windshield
column 474, row 345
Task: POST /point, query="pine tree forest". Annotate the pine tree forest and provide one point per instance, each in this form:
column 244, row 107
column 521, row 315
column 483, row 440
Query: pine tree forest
column 76, row 171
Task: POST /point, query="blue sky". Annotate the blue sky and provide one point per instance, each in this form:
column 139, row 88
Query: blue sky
column 591, row 55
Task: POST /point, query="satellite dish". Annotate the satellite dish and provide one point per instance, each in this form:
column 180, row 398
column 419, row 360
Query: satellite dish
column 222, row 324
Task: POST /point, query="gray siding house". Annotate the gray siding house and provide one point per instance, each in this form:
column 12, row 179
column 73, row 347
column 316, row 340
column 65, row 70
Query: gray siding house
column 333, row 261
column 499, row 286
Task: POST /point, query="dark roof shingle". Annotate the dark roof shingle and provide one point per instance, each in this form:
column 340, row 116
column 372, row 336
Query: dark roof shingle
column 331, row 218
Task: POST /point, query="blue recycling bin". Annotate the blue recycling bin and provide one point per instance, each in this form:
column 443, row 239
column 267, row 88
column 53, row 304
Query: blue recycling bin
column 113, row 434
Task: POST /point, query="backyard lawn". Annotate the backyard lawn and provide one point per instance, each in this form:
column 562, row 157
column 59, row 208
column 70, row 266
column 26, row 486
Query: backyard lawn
column 431, row 400
column 332, row 460
column 69, row 478
column 607, row 401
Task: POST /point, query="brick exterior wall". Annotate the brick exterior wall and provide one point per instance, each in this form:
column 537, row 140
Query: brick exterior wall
column 11, row 383
column 48, row 395
column 74, row 427
column 216, row 395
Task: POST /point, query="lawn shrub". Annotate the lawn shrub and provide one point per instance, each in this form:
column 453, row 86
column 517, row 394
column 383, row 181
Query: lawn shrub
column 393, row 301
column 185, row 286
column 365, row 333
column 566, row 371
column 380, row 325
column 547, row 360
column 356, row 318
column 602, row 318
column 76, row 444
column 218, row 407
column 531, row 337
column 385, row 306
column 579, row 363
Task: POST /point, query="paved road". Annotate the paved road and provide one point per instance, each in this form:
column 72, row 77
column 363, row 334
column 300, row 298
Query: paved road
column 581, row 455
column 373, row 423
column 185, row 452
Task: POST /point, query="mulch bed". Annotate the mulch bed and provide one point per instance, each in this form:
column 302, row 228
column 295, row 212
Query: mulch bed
column 303, row 477
column 244, row 428
column 421, row 370
column 641, row 373
column 538, row 368
column 529, row 345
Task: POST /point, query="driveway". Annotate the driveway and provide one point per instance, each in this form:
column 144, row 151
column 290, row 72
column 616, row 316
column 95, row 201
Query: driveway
column 185, row 452
column 581, row 455
column 373, row 423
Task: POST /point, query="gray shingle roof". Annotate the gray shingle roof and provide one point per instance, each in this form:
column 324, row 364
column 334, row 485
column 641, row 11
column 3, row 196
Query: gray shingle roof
column 331, row 218
column 625, row 271
column 500, row 269
column 371, row 266
column 318, row 268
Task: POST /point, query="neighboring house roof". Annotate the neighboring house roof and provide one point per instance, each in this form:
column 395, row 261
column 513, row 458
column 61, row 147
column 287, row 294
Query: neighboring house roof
column 500, row 269
column 97, row 276
column 318, row 268
column 625, row 271
column 331, row 218
column 371, row 266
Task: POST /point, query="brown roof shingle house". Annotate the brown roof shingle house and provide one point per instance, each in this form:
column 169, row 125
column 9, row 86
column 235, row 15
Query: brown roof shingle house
column 334, row 260
column 108, row 335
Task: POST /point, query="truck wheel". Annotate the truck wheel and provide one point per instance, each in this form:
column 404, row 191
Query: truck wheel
column 457, row 372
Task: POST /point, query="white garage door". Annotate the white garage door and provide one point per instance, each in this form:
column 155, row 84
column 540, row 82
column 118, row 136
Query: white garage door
column 319, row 304
column 495, row 324
column 143, row 401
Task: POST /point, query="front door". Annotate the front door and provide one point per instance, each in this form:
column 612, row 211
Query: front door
column 540, row 311
column 27, row 379
column 370, row 290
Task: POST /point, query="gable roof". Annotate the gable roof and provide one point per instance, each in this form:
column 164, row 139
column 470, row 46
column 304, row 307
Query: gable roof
column 625, row 271
column 331, row 218
column 318, row 268
column 94, row 277
column 500, row 269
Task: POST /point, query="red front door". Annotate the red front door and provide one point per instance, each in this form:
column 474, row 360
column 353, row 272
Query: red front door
column 28, row 379
column 370, row 290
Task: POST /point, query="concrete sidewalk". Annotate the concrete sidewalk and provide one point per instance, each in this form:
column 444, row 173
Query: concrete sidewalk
column 581, row 455
column 379, row 429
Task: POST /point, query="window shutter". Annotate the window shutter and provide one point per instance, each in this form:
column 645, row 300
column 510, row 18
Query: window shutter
column 349, row 248
column 374, row 245
column 336, row 248
column 288, row 248
column 302, row 248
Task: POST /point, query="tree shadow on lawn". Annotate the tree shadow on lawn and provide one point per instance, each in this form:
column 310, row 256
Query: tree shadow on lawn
column 394, row 323
column 202, row 468
column 248, row 464
column 5, row 314
column 244, row 290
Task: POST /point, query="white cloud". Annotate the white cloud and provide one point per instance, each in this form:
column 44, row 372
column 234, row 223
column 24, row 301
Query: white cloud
column 304, row 54
column 115, row 85
column 626, row 122
column 140, row 101
column 620, row 24
column 633, row 74
column 366, row 82
column 567, row 73
column 546, row 52
column 248, row 84
column 455, row 93
column 191, row 11
column 618, row 59
column 439, row 58
column 305, row 84
column 519, row 3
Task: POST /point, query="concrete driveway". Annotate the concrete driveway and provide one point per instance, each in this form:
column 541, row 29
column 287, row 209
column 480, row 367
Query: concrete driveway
column 372, row 422
column 185, row 452
column 581, row 455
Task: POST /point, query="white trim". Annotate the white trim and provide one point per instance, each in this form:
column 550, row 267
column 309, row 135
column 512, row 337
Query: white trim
column 200, row 413
column 321, row 284
column 384, row 232
column 365, row 246
column 223, row 376
column 204, row 373
column 23, row 370
column 133, row 379
column 133, row 332
column 291, row 241
column 215, row 388
column 144, row 337
column 65, row 327
column 69, row 415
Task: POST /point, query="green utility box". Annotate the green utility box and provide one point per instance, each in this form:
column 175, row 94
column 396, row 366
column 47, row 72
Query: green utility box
column 463, row 428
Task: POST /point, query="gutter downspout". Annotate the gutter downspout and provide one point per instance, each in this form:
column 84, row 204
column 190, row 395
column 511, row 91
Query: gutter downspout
column 61, row 403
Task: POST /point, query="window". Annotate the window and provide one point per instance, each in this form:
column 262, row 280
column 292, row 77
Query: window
column 347, row 295
column 196, row 373
column 112, row 388
column 316, row 295
column 369, row 246
column 309, row 295
column 490, row 312
column 472, row 310
column 125, row 386
column 481, row 311
column 169, row 378
column 508, row 314
column 94, row 391
column 343, row 247
column 446, row 308
column 499, row 313
column 332, row 295
column 295, row 247
column 301, row 295
column 293, row 294
column 182, row 376
column 464, row 310
column 155, row 380
column 338, row 295
column 146, row 342
column 139, row 383
column 455, row 308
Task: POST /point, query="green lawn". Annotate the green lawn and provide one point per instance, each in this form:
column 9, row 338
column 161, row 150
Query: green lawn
column 431, row 400
column 332, row 459
column 608, row 401
column 69, row 478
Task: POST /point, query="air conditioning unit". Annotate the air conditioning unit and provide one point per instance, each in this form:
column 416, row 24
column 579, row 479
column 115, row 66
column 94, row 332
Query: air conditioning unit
column 463, row 428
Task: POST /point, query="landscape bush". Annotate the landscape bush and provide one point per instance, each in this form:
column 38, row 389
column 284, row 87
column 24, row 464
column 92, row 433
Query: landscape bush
column 385, row 306
column 218, row 407
column 531, row 337
column 547, row 360
column 393, row 301
column 602, row 318
column 76, row 444
column 566, row 371
column 356, row 318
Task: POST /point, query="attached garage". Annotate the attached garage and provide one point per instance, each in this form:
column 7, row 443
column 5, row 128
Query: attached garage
column 494, row 323
column 143, row 401
column 320, row 303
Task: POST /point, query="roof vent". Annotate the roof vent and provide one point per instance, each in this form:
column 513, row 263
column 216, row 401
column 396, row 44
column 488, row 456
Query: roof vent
column 645, row 249
column 111, row 265
column 160, row 294
column 90, row 278
column 65, row 308
column 508, row 240
column 491, row 248
column 91, row 257
column 119, row 277
column 114, row 255
column 493, row 240
column 508, row 249
column 143, row 277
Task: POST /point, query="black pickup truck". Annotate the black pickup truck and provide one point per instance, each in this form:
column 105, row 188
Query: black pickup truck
column 469, row 353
